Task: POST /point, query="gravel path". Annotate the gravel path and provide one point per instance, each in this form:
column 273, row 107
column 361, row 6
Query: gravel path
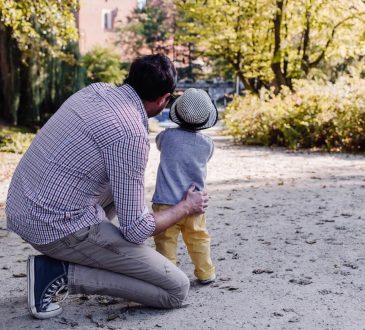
column 288, row 242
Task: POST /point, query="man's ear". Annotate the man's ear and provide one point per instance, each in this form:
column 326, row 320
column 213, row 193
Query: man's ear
column 162, row 100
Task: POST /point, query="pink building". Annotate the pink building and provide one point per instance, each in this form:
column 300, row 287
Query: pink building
column 97, row 20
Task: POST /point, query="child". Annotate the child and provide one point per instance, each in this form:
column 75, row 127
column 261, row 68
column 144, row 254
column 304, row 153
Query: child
column 183, row 161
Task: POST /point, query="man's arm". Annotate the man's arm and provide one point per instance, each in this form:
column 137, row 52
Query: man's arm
column 193, row 202
column 125, row 163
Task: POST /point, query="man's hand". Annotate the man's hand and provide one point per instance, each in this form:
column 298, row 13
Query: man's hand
column 193, row 202
column 196, row 201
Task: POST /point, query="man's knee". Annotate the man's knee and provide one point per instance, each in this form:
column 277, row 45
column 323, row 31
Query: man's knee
column 178, row 295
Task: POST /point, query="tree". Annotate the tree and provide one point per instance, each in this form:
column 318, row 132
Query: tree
column 147, row 27
column 238, row 34
column 270, row 42
column 321, row 35
column 41, row 28
column 152, row 29
column 38, row 58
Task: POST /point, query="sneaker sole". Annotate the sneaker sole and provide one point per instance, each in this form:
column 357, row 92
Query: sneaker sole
column 208, row 281
column 31, row 300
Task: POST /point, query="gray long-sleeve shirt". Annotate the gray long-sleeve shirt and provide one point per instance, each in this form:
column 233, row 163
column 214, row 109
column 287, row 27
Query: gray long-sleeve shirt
column 183, row 160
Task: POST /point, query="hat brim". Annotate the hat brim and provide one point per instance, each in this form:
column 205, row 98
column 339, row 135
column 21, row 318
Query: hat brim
column 213, row 117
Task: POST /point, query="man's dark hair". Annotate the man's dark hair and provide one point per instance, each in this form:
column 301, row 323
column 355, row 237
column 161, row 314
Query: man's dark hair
column 152, row 76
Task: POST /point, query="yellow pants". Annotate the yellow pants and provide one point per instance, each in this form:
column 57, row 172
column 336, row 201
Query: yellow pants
column 196, row 238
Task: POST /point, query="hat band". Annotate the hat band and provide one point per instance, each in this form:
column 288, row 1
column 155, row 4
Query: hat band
column 186, row 124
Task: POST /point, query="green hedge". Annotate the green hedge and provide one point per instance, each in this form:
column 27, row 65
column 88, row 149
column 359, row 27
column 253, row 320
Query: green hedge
column 103, row 65
column 315, row 115
column 15, row 140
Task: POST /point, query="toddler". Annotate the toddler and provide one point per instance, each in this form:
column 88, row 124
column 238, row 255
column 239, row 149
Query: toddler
column 183, row 161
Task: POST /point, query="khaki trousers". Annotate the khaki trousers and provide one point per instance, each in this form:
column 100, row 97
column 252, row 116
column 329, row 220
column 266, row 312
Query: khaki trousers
column 196, row 238
column 102, row 262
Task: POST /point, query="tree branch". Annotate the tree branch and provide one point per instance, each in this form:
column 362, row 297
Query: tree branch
column 331, row 38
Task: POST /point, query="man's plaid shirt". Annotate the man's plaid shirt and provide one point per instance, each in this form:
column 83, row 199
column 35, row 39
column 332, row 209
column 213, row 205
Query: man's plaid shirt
column 96, row 141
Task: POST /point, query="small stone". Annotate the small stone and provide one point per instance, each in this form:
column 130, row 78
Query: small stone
column 301, row 281
column 233, row 288
column 19, row 275
column 224, row 279
column 294, row 319
column 350, row 265
column 324, row 291
column 262, row 271
column 343, row 273
column 112, row 317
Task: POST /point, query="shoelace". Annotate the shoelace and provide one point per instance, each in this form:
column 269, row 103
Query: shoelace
column 54, row 289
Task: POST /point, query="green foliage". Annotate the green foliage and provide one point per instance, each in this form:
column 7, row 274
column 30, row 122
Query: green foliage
column 266, row 41
column 330, row 116
column 147, row 27
column 31, row 90
column 15, row 140
column 41, row 28
column 39, row 55
column 103, row 65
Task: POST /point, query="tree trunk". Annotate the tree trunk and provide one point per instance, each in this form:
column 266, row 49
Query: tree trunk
column 306, row 41
column 9, row 77
column 25, row 112
column 245, row 81
column 276, row 61
column 30, row 92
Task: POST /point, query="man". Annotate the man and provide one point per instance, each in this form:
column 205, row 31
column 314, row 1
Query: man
column 86, row 162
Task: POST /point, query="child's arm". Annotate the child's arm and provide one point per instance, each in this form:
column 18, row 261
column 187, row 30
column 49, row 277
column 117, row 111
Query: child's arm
column 159, row 139
column 211, row 149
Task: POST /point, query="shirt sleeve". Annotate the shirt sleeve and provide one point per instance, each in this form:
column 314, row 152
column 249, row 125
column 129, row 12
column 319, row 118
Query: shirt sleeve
column 159, row 139
column 211, row 149
column 125, row 163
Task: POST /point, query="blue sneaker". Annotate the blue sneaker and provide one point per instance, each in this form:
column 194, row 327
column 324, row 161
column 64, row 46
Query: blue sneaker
column 46, row 278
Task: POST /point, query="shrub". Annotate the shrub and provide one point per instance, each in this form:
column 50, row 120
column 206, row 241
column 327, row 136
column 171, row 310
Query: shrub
column 103, row 65
column 15, row 140
column 330, row 116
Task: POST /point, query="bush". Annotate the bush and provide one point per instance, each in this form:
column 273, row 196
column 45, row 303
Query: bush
column 103, row 65
column 330, row 116
column 15, row 140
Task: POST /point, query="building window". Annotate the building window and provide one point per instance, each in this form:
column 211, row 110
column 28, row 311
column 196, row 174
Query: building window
column 107, row 19
column 141, row 3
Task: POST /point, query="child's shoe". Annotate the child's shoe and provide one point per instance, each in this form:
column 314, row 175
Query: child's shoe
column 208, row 280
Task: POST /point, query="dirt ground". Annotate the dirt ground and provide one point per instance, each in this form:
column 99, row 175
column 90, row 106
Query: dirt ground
column 288, row 242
